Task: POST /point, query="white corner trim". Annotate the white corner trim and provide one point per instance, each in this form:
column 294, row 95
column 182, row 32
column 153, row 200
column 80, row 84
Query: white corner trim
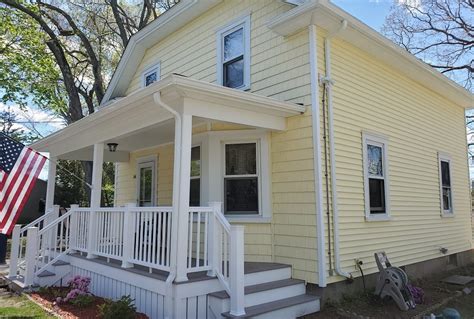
column 156, row 67
column 445, row 157
column 242, row 22
column 381, row 141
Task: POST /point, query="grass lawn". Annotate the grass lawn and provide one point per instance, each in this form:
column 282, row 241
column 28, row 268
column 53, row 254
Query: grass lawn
column 14, row 306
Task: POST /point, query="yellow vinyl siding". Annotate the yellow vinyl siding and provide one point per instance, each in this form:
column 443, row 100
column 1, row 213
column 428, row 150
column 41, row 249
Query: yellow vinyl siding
column 370, row 96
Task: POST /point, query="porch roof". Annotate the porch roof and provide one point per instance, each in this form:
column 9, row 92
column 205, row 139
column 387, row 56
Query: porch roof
column 139, row 111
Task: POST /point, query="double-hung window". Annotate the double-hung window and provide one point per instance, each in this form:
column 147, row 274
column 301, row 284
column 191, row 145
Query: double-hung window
column 233, row 55
column 445, row 184
column 195, row 184
column 151, row 75
column 241, row 178
column 375, row 177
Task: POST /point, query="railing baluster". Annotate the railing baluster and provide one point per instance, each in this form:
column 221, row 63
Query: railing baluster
column 159, row 251
column 190, row 247
column 206, row 239
column 198, row 239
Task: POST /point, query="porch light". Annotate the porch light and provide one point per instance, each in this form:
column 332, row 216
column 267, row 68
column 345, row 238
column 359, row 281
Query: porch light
column 112, row 147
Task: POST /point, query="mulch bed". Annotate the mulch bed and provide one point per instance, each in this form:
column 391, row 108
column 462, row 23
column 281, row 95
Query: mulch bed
column 47, row 299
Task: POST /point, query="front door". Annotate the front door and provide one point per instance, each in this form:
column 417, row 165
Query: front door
column 146, row 184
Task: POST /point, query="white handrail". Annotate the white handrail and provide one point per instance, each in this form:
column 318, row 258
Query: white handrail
column 36, row 221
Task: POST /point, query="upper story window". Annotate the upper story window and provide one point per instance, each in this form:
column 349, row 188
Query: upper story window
column 233, row 55
column 151, row 75
column 375, row 177
column 445, row 184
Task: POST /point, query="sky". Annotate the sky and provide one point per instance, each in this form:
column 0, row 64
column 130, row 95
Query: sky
column 371, row 12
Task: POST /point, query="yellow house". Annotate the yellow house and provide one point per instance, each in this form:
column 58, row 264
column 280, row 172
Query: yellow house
column 260, row 145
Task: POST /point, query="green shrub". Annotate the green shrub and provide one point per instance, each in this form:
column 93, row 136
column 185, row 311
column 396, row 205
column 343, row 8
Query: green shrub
column 124, row 308
column 82, row 301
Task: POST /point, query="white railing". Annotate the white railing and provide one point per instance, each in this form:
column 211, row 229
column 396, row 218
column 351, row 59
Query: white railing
column 79, row 228
column 109, row 236
column 218, row 247
column 152, row 238
column 19, row 241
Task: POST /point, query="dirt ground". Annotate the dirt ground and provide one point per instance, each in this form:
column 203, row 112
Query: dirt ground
column 437, row 298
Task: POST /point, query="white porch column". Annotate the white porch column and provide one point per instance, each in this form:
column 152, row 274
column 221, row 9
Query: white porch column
column 51, row 184
column 96, row 191
column 183, row 189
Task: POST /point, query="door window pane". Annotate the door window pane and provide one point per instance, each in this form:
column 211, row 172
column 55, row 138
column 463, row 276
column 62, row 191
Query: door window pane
column 195, row 184
column 146, row 186
column 196, row 161
column 195, row 192
column 241, row 159
column 241, row 195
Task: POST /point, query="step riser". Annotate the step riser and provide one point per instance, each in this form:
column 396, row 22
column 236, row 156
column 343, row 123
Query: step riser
column 59, row 271
column 267, row 276
column 292, row 312
column 261, row 297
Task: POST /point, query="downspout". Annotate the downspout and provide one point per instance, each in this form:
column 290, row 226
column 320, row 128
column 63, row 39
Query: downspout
column 328, row 84
column 175, row 200
column 318, row 180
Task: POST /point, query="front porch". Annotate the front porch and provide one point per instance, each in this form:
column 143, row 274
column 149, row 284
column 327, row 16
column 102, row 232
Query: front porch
column 190, row 238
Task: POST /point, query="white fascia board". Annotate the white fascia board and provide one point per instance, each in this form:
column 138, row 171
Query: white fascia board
column 133, row 112
column 329, row 17
column 164, row 25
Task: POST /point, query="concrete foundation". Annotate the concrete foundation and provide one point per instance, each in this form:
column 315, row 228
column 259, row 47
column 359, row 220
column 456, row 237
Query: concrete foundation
column 335, row 291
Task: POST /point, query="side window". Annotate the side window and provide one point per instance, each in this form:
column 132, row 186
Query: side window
column 445, row 184
column 375, row 177
column 233, row 55
column 241, row 179
column 151, row 75
column 195, row 185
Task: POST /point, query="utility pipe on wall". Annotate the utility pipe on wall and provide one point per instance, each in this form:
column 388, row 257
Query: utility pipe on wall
column 328, row 81
column 318, row 179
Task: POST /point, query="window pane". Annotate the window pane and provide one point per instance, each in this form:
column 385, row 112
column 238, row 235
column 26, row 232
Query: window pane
column 146, row 178
column 374, row 157
column 234, row 44
column 150, row 78
column 241, row 159
column 196, row 161
column 241, row 195
column 195, row 192
column 445, row 178
column 377, row 195
column 234, row 73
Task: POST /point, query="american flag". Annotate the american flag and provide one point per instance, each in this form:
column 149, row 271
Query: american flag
column 19, row 169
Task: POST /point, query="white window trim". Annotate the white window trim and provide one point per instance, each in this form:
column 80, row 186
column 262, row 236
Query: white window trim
column 379, row 140
column 153, row 68
column 241, row 22
column 212, row 170
column 257, row 175
column 143, row 160
column 445, row 158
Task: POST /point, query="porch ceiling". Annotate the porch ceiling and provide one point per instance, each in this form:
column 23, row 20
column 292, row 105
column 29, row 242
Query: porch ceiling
column 138, row 115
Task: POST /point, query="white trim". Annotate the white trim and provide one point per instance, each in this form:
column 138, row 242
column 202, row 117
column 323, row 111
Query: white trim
column 141, row 161
column 243, row 23
column 212, row 169
column 149, row 70
column 443, row 157
column 380, row 141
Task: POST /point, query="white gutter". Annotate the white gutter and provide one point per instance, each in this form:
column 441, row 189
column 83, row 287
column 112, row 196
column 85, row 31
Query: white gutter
column 335, row 215
column 176, row 179
column 318, row 174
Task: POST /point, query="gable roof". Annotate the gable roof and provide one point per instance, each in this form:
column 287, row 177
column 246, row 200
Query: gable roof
column 167, row 23
column 329, row 16
column 317, row 12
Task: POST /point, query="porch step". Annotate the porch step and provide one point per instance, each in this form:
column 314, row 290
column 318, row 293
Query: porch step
column 260, row 273
column 292, row 307
column 266, row 292
column 46, row 273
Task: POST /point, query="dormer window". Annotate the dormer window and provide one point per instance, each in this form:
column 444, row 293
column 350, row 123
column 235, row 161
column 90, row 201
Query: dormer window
column 151, row 75
column 233, row 55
